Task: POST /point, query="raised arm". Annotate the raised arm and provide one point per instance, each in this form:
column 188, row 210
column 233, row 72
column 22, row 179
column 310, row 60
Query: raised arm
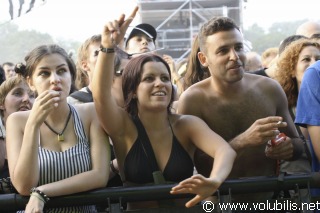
column 106, row 107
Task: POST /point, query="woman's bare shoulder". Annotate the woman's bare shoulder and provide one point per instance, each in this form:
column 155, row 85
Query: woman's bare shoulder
column 18, row 119
column 183, row 120
column 19, row 115
column 86, row 112
column 85, row 109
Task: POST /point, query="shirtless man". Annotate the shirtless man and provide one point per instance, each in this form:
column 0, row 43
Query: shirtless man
column 244, row 109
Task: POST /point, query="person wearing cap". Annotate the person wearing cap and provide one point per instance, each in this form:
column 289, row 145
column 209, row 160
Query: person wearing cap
column 141, row 39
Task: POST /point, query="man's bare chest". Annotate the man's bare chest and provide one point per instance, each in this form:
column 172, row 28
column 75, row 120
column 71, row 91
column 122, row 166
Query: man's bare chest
column 229, row 118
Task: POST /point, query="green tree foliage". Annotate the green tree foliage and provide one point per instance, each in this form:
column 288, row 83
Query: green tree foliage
column 262, row 40
column 15, row 43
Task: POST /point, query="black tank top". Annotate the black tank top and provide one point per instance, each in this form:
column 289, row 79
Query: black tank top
column 138, row 168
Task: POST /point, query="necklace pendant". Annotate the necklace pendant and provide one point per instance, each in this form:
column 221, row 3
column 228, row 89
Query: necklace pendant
column 60, row 137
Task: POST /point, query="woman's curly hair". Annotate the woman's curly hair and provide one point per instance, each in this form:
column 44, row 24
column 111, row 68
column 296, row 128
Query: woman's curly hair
column 286, row 65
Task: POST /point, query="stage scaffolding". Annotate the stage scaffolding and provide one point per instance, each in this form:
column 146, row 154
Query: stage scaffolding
column 178, row 21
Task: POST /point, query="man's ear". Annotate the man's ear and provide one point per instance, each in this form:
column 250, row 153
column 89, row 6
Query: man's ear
column 203, row 59
column 30, row 84
column 2, row 107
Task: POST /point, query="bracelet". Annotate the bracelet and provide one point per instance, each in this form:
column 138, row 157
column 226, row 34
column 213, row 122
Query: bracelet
column 44, row 197
column 38, row 196
column 106, row 50
column 113, row 169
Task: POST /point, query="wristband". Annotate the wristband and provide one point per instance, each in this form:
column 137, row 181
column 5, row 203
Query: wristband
column 44, row 197
column 38, row 196
column 106, row 50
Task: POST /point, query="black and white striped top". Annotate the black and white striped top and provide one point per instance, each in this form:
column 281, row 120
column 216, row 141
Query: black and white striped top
column 55, row 166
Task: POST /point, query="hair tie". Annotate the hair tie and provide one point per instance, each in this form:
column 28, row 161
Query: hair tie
column 20, row 68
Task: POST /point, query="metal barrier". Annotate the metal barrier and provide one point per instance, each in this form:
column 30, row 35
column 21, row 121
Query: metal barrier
column 114, row 197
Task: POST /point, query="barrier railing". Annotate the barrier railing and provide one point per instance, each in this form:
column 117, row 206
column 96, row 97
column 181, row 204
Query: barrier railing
column 114, row 197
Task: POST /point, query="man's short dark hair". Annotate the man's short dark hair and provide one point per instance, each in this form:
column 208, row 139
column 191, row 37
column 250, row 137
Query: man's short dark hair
column 214, row 25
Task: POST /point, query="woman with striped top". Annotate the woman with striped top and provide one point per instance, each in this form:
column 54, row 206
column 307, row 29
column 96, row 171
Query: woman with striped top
column 55, row 149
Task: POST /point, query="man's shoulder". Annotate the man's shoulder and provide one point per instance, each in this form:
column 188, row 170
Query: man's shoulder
column 262, row 90
column 194, row 92
column 192, row 100
column 256, row 76
column 260, row 81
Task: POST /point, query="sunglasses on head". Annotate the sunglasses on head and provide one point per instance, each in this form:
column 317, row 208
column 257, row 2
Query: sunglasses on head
column 124, row 55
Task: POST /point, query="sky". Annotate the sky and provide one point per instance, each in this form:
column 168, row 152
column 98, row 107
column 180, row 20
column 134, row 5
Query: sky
column 267, row 12
column 80, row 19
column 72, row 19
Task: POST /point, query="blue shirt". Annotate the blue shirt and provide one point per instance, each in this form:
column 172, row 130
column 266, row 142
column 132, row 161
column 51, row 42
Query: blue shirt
column 308, row 107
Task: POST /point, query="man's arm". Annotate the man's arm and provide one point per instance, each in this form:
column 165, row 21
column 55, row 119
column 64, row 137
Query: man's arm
column 260, row 132
column 292, row 147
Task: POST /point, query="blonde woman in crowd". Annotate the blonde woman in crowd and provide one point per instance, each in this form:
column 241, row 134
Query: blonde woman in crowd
column 15, row 95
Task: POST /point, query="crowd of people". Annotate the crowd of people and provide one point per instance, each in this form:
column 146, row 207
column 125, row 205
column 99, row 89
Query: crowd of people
column 123, row 115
